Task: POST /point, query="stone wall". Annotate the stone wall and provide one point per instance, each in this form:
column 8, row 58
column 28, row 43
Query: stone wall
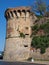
column 19, row 20
column 38, row 56
column 17, row 49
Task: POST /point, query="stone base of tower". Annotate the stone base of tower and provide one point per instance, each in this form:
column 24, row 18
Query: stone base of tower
column 17, row 49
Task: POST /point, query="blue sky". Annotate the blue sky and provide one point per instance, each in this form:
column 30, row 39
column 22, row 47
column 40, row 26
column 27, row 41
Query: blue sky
column 4, row 4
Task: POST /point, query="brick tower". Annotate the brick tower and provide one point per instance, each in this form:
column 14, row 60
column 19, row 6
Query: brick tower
column 18, row 41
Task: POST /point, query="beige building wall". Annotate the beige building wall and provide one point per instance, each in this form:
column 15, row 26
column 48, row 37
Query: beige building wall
column 19, row 20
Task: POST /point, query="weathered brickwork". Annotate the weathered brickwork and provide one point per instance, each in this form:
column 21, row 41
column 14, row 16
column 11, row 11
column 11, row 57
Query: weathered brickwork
column 19, row 20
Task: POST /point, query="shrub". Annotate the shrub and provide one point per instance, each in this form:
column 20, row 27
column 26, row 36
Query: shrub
column 35, row 27
column 42, row 50
column 22, row 35
column 41, row 42
column 45, row 27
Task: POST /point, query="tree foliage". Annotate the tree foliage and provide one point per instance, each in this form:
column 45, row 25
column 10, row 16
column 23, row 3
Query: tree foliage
column 44, row 27
column 39, row 7
column 41, row 42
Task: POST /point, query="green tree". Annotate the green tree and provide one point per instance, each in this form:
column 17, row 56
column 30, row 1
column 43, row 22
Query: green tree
column 42, row 50
column 41, row 42
column 39, row 7
column 45, row 27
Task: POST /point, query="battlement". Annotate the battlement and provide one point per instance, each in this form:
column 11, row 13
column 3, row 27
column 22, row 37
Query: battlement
column 17, row 12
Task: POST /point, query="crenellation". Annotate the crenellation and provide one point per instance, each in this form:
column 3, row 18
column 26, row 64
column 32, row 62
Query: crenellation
column 27, row 14
column 17, row 12
column 11, row 14
column 14, row 14
column 8, row 15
